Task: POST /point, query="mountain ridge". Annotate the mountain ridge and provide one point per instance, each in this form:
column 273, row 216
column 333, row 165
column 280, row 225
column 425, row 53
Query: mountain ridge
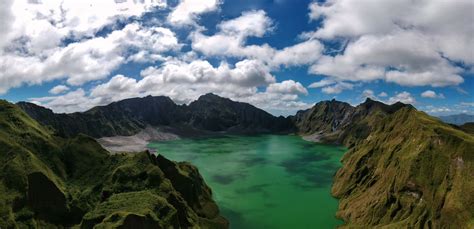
column 48, row 181
column 129, row 116
column 395, row 172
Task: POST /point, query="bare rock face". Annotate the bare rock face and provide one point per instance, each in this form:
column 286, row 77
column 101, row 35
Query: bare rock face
column 185, row 178
column 326, row 117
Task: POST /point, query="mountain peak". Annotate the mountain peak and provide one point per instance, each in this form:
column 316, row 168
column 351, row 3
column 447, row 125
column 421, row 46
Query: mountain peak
column 210, row 96
column 371, row 104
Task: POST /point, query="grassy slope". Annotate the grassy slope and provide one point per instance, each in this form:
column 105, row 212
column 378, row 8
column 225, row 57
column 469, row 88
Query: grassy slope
column 46, row 181
column 406, row 169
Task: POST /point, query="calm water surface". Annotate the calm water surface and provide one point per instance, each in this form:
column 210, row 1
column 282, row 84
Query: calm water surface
column 265, row 181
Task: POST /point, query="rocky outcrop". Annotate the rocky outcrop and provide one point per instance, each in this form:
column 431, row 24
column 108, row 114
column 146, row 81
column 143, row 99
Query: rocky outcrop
column 326, row 118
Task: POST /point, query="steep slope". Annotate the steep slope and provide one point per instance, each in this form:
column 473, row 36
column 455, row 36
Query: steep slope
column 325, row 117
column 404, row 168
column 211, row 112
column 47, row 182
column 339, row 122
column 410, row 171
column 127, row 117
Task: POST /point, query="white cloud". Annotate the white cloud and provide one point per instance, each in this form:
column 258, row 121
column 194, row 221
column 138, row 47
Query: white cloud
column 383, row 94
column 287, row 87
column 253, row 23
column 71, row 102
column 87, row 60
column 59, row 89
column 6, row 17
column 306, row 52
column 404, row 97
column 331, row 86
column 60, row 18
column 322, row 83
column 399, row 41
column 431, row 94
column 187, row 11
column 367, row 93
column 408, row 54
column 230, row 41
column 438, row 110
column 337, row 88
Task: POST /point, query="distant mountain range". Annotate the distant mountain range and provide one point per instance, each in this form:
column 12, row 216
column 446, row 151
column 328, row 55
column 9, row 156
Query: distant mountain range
column 457, row 119
column 210, row 112
column 403, row 168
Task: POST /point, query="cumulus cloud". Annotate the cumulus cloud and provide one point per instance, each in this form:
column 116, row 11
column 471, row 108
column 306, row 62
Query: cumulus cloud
column 186, row 12
column 439, row 110
column 431, row 94
column 287, row 87
column 303, row 53
column 367, row 93
column 405, row 42
column 230, row 41
column 383, row 94
column 46, row 22
column 58, row 89
column 70, row 102
column 330, row 86
column 337, row 88
column 404, row 97
column 322, row 83
column 86, row 60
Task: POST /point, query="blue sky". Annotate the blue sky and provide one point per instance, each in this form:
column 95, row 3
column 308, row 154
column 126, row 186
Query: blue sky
column 279, row 55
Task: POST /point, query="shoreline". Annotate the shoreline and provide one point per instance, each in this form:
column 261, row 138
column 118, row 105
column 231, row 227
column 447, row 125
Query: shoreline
column 316, row 137
column 136, row 143
column 139, row 142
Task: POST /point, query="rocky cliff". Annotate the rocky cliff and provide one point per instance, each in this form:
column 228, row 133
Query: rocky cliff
column 48, row 181
column 404, row 168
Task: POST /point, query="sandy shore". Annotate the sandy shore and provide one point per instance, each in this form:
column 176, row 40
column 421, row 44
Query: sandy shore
column 137, row 142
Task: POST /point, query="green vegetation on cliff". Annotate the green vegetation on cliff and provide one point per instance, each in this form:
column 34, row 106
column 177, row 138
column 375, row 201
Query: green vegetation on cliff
column 404, row 169
column 47, row 181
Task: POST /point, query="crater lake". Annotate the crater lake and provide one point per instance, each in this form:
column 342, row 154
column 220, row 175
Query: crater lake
column 265, row 181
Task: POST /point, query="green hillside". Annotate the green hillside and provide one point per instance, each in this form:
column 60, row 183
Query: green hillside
column 48, row 182
column 404, row 169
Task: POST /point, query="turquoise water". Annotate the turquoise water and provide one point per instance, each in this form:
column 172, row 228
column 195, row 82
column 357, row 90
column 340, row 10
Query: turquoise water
column 265, row 181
